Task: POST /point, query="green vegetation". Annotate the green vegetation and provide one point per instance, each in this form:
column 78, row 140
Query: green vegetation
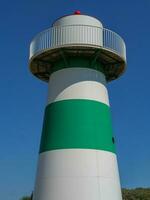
column 136, row 194
column 128, row 194
column 26, row 198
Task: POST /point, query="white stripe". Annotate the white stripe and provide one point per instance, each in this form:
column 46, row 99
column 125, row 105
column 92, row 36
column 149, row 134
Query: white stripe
column 77, row 174
column 77, row 83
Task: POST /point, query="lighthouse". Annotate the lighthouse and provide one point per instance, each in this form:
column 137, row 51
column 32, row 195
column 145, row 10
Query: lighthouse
column 77, row 57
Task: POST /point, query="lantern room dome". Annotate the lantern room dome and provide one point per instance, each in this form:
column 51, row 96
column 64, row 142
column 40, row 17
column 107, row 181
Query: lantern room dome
column 77, row 19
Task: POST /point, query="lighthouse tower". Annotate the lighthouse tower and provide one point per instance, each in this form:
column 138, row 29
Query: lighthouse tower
column 77, row 57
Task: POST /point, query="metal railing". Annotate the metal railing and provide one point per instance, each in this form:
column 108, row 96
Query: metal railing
column 60, row 36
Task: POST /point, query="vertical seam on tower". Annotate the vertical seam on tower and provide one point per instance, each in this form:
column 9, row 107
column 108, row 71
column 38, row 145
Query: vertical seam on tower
column 97, row 166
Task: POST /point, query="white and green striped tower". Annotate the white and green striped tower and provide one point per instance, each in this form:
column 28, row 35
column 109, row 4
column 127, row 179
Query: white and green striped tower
column 77, row 157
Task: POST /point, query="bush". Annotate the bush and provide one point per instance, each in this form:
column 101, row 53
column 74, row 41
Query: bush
column 26, row 198
column 136, row 194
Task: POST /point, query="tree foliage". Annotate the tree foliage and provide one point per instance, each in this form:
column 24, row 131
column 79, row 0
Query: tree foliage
column 26, row 198
column 136, row 194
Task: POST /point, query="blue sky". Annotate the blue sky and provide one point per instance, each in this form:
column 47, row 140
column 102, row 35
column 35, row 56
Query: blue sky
column 23, row 97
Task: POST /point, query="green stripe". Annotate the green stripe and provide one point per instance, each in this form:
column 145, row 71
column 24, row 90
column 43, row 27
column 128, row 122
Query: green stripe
column 77, row 123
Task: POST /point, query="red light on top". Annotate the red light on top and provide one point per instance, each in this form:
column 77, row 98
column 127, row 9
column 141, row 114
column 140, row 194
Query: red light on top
column 77, row 12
